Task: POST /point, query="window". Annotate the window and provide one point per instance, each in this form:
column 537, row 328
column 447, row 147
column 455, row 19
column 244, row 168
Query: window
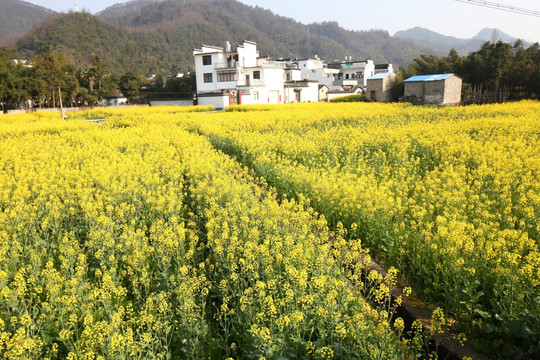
column 207, row 60
column 360, row 74
column 257, row 75
column 229, row 75
column 255, row 95
column 208, row 77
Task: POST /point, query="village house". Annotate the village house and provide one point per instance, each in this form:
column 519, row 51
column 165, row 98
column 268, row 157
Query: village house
column 241, row 76
column 440, row 89
column 355, row 73
column 316, row 69
column 225, row 77
column 379, row 87
column 384, row 68
column 323, row 92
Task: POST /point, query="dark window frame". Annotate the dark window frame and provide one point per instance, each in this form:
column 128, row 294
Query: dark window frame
column 227, row 75
column 208, row 78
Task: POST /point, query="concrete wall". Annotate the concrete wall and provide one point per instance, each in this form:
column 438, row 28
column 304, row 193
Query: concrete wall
column 322, row 93
column 414, row 89
column 218, row 101
column 452, row 90
column 440, row 92
column 171, row 102
column 309, row 93
column 312, row 92
column 247, row 54
column 381, row 87
column 434, row 92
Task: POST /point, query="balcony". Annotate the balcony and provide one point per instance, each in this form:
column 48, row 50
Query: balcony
column 347, row 82
column 251, row 83
column 232, row 64
column 273, row 64
column 356, row 65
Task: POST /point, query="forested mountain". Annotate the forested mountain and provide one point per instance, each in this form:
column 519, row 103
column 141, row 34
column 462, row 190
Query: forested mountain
column 213, row 21
column 122, row 9
column 82, row 36
column 434, row 40
column 17, row 17
column 159, row 36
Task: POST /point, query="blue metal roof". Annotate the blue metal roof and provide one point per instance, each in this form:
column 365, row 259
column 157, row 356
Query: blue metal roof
column 380, row 76
column 429, row 77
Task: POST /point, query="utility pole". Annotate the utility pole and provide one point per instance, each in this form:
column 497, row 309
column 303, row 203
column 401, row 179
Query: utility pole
column 62, row 114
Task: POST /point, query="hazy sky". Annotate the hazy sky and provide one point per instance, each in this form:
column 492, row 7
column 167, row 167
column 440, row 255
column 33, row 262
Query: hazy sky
column 449, row 17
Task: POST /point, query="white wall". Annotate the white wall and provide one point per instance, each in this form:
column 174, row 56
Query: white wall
column 201, row 69
column 312, row 92
column 247, row 54
column 273, row 78
column 171, row 102
column 219, row 102
column 366, row 67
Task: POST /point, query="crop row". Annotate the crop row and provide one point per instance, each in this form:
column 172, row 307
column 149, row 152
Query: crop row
column 449, row 196
column 137, row 239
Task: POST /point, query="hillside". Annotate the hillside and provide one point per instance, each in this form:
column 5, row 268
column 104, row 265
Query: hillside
column 82, row 36
column 187, row 24
column 158, row 36
column 122, row 9
column 432, row 39
column 17, row 17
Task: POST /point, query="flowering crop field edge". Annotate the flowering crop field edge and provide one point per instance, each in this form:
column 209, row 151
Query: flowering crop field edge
column 449, row 196
column 136, row 239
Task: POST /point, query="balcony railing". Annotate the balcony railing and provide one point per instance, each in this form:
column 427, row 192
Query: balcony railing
column 347, row 82
column 353, row 65
column 272, row 64
column 252, row 83
column 226, row 65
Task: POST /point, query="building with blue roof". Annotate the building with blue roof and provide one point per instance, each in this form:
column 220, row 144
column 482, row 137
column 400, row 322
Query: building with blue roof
column 439, row 89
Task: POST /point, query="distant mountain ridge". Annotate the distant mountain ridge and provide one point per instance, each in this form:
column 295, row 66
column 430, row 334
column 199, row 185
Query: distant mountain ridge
column 429, row 38
column 159, row 36
column 17, row 17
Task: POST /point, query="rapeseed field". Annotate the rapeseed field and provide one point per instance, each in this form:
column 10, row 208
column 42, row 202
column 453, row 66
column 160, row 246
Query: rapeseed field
column 175, row 233
column 136, row 239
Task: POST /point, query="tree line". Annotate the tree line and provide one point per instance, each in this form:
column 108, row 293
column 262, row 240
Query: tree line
column 497, row 72
column 40, row 82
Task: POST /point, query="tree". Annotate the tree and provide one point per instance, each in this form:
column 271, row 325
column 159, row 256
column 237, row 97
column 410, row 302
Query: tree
column 181, row 87
column 5, row 73
column 99, row 71
column 159, row 85
column 55, row 70
column 130, row 84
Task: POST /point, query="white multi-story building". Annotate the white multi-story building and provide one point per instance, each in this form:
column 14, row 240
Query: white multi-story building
column 317, row 69
column 355, row 73
column 226, row 77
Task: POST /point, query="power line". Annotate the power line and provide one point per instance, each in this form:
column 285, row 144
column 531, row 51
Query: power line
column 497, row 6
